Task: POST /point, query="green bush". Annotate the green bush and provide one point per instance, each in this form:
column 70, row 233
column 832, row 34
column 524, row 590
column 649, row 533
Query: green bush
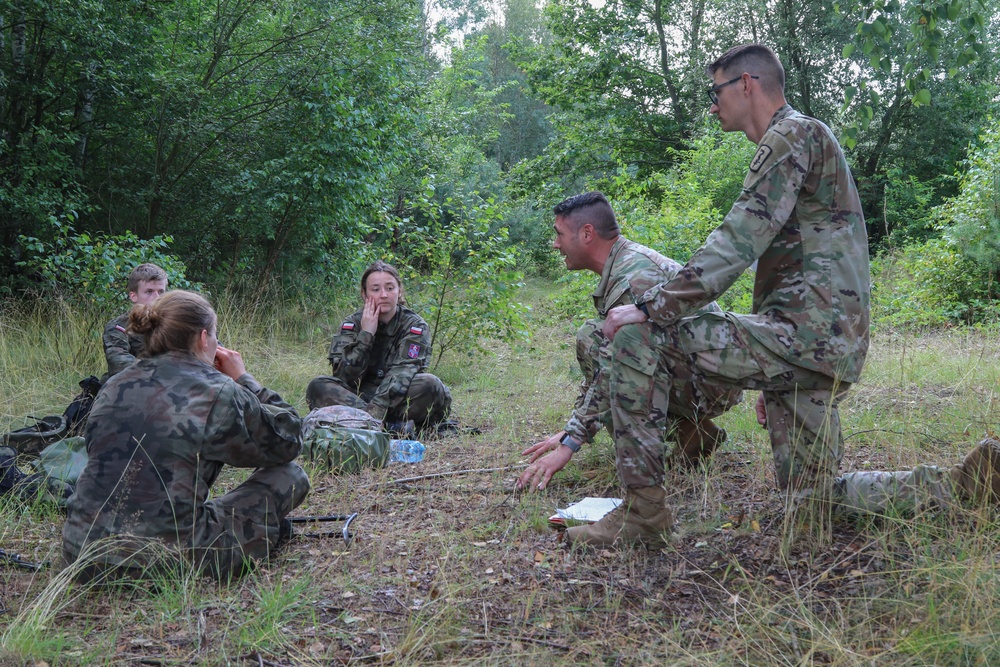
column 930, row 284
column 462, row 272
column 907, row 212
column 971, row 220
column 93, row 270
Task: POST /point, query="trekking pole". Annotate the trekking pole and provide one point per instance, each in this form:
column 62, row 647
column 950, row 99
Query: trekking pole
column 15, row 559
column 344, row 532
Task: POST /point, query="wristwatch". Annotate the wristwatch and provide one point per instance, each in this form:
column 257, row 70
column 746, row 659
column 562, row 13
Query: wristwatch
column 642, row 306
column 570, row 442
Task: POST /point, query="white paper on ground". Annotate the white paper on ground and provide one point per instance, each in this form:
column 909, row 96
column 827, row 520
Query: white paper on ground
column 588, row 509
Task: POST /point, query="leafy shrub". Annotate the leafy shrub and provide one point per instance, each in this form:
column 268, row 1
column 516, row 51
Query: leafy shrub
column 907, row 212
column 462, row 273
column 531, row 231
column 971, row 220
column 929, row 284
column 93, row 270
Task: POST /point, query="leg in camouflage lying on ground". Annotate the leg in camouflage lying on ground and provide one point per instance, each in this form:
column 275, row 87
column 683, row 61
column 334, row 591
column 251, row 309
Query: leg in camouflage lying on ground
column 975, row 480
column 244, row 525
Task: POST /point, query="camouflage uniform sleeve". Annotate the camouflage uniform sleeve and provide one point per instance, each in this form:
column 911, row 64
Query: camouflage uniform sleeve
column 116, row 346
column 251, row 427
column 410, row 357
column 643, row 280
column 350, row 351
column 769, row 195
column 591, row 410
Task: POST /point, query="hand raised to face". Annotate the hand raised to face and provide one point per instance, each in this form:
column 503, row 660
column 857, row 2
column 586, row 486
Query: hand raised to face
column 369, row 315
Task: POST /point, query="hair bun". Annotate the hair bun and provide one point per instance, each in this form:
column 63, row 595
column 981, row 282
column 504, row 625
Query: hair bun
column 142, row 319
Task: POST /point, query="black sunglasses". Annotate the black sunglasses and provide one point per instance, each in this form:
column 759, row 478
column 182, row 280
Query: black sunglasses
column 713, row 91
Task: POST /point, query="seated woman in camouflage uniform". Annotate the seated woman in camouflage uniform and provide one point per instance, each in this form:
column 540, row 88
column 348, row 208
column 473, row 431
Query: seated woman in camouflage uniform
column 378, row 359
column 158, row 435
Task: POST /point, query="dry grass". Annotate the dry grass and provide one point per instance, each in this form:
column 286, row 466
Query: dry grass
column 457, row 569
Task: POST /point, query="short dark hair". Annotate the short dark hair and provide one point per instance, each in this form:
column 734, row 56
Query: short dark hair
column 754, row 59
column 592, row 208
column 143, row 273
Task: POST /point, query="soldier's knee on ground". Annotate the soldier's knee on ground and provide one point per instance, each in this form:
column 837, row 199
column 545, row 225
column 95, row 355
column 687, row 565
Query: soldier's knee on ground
column 326, row 390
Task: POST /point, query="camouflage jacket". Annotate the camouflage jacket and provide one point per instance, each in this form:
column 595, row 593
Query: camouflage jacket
column 629, row 272
column 379, row 368
column 157, row 438
column 799, row 217
column 121, row 348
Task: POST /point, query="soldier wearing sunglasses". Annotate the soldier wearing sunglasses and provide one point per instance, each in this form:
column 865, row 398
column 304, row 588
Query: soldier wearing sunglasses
column 799, row 219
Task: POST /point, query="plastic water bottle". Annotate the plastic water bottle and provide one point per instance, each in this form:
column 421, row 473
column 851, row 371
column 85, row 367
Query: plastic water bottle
column 406, row 451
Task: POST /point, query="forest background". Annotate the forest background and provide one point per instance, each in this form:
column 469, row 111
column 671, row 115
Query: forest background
column 267, row 151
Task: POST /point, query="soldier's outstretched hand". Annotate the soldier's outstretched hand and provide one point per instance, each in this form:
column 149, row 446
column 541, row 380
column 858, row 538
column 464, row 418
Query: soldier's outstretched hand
column 540, row 448
column 538, row 474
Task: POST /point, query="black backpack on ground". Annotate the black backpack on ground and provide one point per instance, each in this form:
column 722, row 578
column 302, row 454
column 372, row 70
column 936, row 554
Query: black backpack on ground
column 30, row 440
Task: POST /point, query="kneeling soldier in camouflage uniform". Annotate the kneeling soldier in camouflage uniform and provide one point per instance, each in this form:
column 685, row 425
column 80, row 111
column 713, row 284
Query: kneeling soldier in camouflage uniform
column 588, row 237
column 799, row 219
column 379, row 358
column 158, row 436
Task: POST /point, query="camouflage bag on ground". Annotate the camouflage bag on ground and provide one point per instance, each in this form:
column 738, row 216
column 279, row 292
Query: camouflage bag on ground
column 57, row 470
column 344, row 440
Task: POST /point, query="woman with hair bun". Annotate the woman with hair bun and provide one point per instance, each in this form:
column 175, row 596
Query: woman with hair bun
column 379, row 358
column 159, row 433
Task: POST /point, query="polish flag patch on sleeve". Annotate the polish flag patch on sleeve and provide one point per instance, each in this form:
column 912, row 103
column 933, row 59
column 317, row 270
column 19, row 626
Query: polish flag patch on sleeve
column 349, row 326
column 120, row 328
column 414, row 351
column 416, row 331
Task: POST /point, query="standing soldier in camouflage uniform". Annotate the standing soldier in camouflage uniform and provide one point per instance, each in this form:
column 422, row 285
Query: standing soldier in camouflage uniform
column 588, row 237
column 159, row 434
column 378, row 359
column 146, row 284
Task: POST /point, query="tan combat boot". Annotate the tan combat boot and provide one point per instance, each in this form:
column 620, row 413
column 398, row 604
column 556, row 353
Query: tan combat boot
column 695, row 443
column 642, row 517
column 977, row 477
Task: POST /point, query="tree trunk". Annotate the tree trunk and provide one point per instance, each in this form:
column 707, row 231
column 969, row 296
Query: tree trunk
column 84, row 112
column 668, row 77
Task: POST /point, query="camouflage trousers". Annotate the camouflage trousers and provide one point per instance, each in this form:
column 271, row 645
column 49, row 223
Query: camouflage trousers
column 901, row 493
column 231, row 532
column 713, row 351
column 427, row 400
column 639, row 403
column 243, row 525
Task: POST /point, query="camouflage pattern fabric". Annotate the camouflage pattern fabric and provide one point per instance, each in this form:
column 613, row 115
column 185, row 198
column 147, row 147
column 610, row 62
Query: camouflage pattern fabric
column 158, row 436
column 383, row 374
column 800, row 219
column 121, row 348
column 710, row 354
column 632, row 269
column 973, row 481
column 902, row 493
